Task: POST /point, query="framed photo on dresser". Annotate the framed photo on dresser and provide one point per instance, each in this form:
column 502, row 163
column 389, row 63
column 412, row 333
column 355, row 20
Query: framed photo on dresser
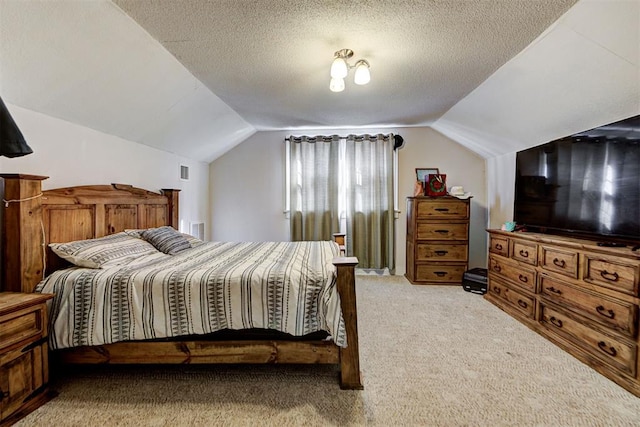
column 422, row 173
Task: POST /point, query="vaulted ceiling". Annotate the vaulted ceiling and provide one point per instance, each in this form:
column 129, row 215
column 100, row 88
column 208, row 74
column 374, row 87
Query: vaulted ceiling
column 197, row 77
column 269, row 60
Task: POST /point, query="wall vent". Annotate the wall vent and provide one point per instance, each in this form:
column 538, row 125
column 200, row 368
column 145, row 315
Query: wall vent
column 184, row 173
column 197, row 230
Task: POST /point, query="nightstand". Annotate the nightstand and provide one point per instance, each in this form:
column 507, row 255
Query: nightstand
column 24, row 359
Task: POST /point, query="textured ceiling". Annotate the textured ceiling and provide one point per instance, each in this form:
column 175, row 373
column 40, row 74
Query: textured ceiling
column 269, row 59
column 197, row 77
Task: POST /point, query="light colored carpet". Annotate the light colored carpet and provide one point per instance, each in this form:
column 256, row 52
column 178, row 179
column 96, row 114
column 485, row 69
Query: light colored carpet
column 430, row 356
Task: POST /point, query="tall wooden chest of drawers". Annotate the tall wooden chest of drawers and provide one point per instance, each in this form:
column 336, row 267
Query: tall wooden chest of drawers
column 583, row 297
column 437, row 240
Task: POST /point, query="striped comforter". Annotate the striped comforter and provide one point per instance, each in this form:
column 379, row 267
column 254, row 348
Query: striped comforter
column 289, row 287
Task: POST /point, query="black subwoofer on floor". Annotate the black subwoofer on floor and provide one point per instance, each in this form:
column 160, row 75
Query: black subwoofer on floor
column 475, row 280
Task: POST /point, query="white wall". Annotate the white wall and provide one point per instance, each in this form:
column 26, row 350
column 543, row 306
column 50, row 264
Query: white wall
column 501, row 181
column 247, row 191
column 73, row 155
column 425, row 148
column 247, row 185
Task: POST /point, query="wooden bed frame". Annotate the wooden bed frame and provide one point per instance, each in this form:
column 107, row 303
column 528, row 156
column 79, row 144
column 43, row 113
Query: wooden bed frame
column 33, row 218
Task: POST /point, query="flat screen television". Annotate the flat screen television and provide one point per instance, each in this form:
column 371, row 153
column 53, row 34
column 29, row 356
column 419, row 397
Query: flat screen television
column 584, row 185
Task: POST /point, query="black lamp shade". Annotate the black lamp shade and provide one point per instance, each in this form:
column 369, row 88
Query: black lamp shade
column 12, row 143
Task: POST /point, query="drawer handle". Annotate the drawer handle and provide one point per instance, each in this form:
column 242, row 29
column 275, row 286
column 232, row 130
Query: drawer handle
column 4, row 394
column 554, row 290
column 440, row 273
column 522, row 304
column 498, row 246
column 606, row 313
column 442, row 231
column 442, row 209
column 609, row 276
column 556, row 322
column 523, row 279
column 441, row 253
column 559, row 262
column 609, row 350
column 524, row 253
column 496, row 290
column 497, row 268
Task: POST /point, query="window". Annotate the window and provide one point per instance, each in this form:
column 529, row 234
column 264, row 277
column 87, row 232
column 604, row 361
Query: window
column 337, row 184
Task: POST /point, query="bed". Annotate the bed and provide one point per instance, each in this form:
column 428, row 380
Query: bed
column 322, row 330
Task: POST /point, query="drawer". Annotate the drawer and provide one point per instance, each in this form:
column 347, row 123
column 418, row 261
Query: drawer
column 611, row 350
column 524, row 251
column 454, row 209
column 615, row 274
column 564, row 262
column 612, row 313
column 441, row 252
column 499, row 245
column 21, row 325
column 442, row 231
column 522, row 276
column 521, row 302
column 23, row 377
column 440, row 273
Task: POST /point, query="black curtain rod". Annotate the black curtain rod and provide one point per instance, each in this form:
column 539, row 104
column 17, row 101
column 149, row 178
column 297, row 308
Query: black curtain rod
column 398, row 140
column 326, row 138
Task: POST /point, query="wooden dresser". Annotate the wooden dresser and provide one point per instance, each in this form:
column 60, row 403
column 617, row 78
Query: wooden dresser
column 437, row 240
column 24, row 370
column 580, row 296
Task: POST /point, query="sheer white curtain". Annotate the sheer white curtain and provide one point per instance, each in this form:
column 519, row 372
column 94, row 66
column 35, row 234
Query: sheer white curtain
column 313, row 187
column 370, row 200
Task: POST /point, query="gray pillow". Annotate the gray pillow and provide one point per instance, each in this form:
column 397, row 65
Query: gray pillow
column 166, row 239
column 136, row 232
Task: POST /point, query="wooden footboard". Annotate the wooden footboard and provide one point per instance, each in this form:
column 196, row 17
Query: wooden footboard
column 34, row 218
column 350, row 377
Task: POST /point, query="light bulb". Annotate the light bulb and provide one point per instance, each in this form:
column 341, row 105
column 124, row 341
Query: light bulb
column 336, row 85
column 362, row 75
column 339, row 68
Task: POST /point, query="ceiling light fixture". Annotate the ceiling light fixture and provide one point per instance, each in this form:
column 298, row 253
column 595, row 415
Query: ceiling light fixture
column 340, row 69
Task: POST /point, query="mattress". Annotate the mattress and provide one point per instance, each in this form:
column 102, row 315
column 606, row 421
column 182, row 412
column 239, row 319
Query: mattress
column 284, row 286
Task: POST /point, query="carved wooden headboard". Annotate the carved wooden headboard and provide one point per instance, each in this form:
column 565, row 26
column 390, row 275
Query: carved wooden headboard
column 35, row 218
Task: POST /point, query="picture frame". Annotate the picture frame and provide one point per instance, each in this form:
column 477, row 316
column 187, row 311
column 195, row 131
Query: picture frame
column 422, row 173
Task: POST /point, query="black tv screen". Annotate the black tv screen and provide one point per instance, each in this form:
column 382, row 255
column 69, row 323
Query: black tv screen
column 585, row 184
